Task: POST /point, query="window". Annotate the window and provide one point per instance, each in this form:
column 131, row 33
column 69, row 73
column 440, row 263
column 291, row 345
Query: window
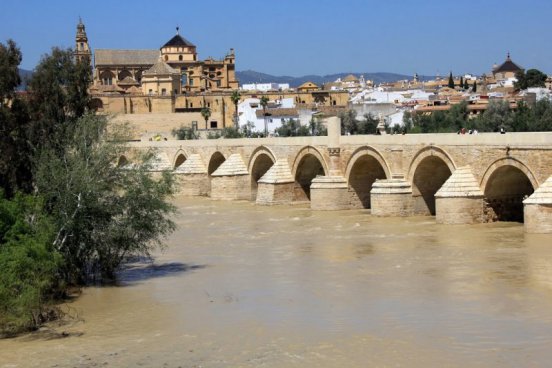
column 166, row 57
column 184, row 79
column 214, row 124
column 180, row 57
column 150, row 92
column 82, row 45
column 191, row 82
column 163, row 92
column 191, row 104
column 208, row 104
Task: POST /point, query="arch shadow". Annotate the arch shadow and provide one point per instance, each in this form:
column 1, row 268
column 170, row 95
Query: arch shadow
column 365, row 166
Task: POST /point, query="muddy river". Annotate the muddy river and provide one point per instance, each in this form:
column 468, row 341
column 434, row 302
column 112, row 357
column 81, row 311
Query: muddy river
column 247, row 286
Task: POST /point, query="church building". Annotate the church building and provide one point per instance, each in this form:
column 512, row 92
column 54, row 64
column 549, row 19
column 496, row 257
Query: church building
column 171, row 70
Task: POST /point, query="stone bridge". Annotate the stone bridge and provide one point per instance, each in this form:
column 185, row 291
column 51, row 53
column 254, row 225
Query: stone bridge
column 457, row 178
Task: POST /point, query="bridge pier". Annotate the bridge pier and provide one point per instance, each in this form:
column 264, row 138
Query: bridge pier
column 537, row 210
column 331, row 192
column 192, row 177
column 392, row 197
column 276, row 185
column 231, row 181
column 460, row 200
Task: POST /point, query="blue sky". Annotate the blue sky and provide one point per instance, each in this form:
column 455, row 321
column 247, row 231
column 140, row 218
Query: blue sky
column 298, row 37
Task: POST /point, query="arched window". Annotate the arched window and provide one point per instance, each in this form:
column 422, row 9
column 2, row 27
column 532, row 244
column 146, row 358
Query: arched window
column 180, row 57
column 166, row 57
column 107, row 77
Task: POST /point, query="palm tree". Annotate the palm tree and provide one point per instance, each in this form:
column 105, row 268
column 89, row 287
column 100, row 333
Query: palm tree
column 264, row 102
column 206, row 113
column 235, row 97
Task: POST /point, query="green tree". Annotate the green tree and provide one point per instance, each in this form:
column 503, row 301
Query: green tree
column 206, row 114
column 184, row 133
column 466, row 85
column 29, row 281
column 451, row 81
column 349, row 123
column 264, row 103
column 369, row 125
column 10, row 58
column 474, row 87
column 532, row 78
column 235, row 97
column 103, row 214
column 15, row 164
column 58, row 95
column 461, row 84
column 496, row 115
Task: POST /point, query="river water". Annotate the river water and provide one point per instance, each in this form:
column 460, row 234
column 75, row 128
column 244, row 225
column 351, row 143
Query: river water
column 247, row 286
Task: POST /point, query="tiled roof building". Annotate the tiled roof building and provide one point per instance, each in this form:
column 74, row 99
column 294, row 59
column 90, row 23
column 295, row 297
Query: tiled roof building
column 177, row 59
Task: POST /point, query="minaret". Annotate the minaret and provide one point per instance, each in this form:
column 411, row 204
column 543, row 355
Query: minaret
column 82, row 49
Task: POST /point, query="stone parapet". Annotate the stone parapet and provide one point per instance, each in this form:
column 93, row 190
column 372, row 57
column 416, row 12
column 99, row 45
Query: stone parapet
column 329, row 193
column 391, row 197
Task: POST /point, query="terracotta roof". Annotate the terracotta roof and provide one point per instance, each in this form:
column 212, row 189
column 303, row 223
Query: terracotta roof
column 178, row 40
column 160, row 68
column 128, row 81
column 125, row 57
column 284, row 112
column 508, row 66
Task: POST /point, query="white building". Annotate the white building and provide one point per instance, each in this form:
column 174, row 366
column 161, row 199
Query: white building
column 264, row 87
column 250, row 112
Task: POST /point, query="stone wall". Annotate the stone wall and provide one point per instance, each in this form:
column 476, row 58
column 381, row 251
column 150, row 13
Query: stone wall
column 460, row 210
column 230, row 188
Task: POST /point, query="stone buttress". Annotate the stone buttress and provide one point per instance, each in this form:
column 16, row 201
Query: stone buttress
column 192, row 177
column 537, row 210
column 460, row 200
column 391, row 197
column 231, row 181
column 331, row 192
column 276, row 185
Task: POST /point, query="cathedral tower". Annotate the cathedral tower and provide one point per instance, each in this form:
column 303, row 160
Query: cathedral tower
column 82, row 49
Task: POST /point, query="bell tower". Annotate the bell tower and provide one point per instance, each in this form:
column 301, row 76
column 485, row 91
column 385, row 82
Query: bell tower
column 82, row 49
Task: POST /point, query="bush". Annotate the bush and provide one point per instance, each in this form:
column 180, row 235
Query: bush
column 103, row 214
column 29, row 280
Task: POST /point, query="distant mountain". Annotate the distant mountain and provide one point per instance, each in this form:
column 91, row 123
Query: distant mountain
column 251, row 76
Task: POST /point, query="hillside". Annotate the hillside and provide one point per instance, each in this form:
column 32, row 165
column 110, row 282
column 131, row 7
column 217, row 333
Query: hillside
column 251, row 76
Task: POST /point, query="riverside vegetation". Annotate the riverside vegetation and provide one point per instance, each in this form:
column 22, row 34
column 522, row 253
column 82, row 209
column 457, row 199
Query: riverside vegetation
column 68, row 215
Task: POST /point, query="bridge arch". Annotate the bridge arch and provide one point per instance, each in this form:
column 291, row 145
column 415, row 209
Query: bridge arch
column 216, row 159
column 179, row 158
column 260, row 162
column 506, row 183
column 428, row 171
column 365, row 166
column 308, row 163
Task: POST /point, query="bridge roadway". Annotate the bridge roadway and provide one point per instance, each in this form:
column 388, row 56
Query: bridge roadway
column 457, row 178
